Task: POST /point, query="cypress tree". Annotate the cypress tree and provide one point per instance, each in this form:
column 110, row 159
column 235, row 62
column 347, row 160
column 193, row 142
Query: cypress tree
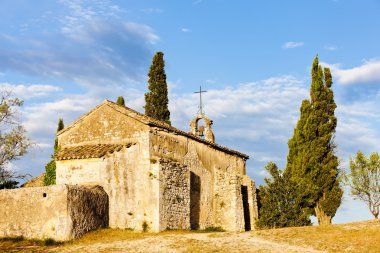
column 50, row 168
column 120, row 101
column 156, row 100
column 312, row 164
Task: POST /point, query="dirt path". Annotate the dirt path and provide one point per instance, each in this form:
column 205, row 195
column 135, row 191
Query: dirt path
column 210, row 242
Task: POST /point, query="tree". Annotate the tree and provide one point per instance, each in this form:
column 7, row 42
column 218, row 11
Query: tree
column 364, row 180
column 50, row 168
column 8, row 184
column 120, row 101
column 13, row 140
column 279, row 206
column 312, row 164
column 156, row 100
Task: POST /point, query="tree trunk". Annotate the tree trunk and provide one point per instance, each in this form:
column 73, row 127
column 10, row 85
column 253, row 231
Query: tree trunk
column 323, row 218
column 374, row 209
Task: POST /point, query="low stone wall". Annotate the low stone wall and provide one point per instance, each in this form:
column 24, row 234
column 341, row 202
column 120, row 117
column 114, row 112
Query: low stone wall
column 60, row 212
column 174, row 195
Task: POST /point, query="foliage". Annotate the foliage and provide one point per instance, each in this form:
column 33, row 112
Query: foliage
column 120, row 101
column 364, row 180
column 156, row 100
column 312, row 164
column 9, row 184
column 50, row 168
column 280, row 206
column 13, row 140
column 50, row 174
column 60, row 127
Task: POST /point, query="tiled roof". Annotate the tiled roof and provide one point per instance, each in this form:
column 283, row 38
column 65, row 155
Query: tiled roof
column 35, row 182
column 153, row 122
column 88, row 151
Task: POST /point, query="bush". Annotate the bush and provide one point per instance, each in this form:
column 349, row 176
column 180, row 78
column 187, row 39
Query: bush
column 50, row 173
column 280, row 205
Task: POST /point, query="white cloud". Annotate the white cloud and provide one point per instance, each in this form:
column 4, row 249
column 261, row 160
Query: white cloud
column 256, row 117
column 292, row 44
column 330, row 48
column 211, row 81
column 42, row 118
column 368, row 72
column 185, row 30
column 30, row 91
column 91, row 47
column 357, row 128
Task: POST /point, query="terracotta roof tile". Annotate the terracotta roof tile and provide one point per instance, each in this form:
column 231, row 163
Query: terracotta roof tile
column 88, row 151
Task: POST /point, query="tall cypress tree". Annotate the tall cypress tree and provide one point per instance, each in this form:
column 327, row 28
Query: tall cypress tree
column 156, row 100
column 312, row 164
column 50, row 168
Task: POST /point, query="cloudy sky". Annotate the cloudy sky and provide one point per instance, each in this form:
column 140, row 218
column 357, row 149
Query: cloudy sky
column 253, row 57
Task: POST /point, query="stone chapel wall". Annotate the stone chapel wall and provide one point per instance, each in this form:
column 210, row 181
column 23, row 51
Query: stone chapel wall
column 103, row 125
column 125, row 176
column 60, row 212
column 216, row 180
column 174, row 195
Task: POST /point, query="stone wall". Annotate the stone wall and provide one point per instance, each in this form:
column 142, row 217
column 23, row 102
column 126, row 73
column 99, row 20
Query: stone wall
column 103, row 125
column 174, row 195
column 216, row 180
column 126, row 176
column 60, row 212
column 252, row 199
column 132, row 177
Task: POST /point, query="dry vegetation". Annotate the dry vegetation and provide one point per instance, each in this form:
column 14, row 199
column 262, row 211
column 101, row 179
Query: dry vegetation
column 352, row 237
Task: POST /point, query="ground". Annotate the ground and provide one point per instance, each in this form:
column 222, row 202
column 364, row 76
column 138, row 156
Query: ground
column 351, row 237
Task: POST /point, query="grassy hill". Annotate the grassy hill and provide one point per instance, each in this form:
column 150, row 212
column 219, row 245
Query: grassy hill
column 351, row 237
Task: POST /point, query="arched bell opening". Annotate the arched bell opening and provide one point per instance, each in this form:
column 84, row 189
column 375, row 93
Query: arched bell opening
column 201, row 127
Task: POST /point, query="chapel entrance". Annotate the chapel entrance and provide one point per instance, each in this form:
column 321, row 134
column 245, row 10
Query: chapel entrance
column 195, row 197
column 247, row 218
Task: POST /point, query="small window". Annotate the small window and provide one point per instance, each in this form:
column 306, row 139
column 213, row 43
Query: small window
column 44, row 194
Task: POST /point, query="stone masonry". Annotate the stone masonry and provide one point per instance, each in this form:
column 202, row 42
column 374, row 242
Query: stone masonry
column 136, row 176
column 60, row 212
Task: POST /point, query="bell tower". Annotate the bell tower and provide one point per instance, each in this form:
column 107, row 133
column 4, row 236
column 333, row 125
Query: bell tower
column 202, row 131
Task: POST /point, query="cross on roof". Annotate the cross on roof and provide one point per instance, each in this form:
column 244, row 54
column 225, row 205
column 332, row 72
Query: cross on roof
column 200, row 111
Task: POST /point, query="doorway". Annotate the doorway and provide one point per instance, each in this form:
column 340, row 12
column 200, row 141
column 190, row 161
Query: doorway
column 195, row 197
column 247, row 218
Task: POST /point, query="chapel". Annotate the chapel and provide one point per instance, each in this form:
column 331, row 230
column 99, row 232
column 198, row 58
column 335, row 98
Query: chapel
column 156, row 176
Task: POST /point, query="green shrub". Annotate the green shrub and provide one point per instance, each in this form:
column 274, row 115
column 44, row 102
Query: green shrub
column 50, row 173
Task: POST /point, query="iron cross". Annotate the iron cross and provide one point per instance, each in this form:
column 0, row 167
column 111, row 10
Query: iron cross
column 200, row 111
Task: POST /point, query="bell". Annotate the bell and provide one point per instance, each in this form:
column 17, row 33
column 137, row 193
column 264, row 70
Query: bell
column 201, row 129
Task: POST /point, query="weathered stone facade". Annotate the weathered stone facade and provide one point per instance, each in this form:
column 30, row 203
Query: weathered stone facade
column 174, row 195
column 60, row 212
column 209, row 178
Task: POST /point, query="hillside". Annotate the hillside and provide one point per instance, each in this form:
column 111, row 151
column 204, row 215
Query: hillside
column 352, row 237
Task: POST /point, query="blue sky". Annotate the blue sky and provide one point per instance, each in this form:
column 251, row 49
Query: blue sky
column 254, row 57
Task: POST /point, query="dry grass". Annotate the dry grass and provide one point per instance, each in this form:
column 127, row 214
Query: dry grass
column 352, row 237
